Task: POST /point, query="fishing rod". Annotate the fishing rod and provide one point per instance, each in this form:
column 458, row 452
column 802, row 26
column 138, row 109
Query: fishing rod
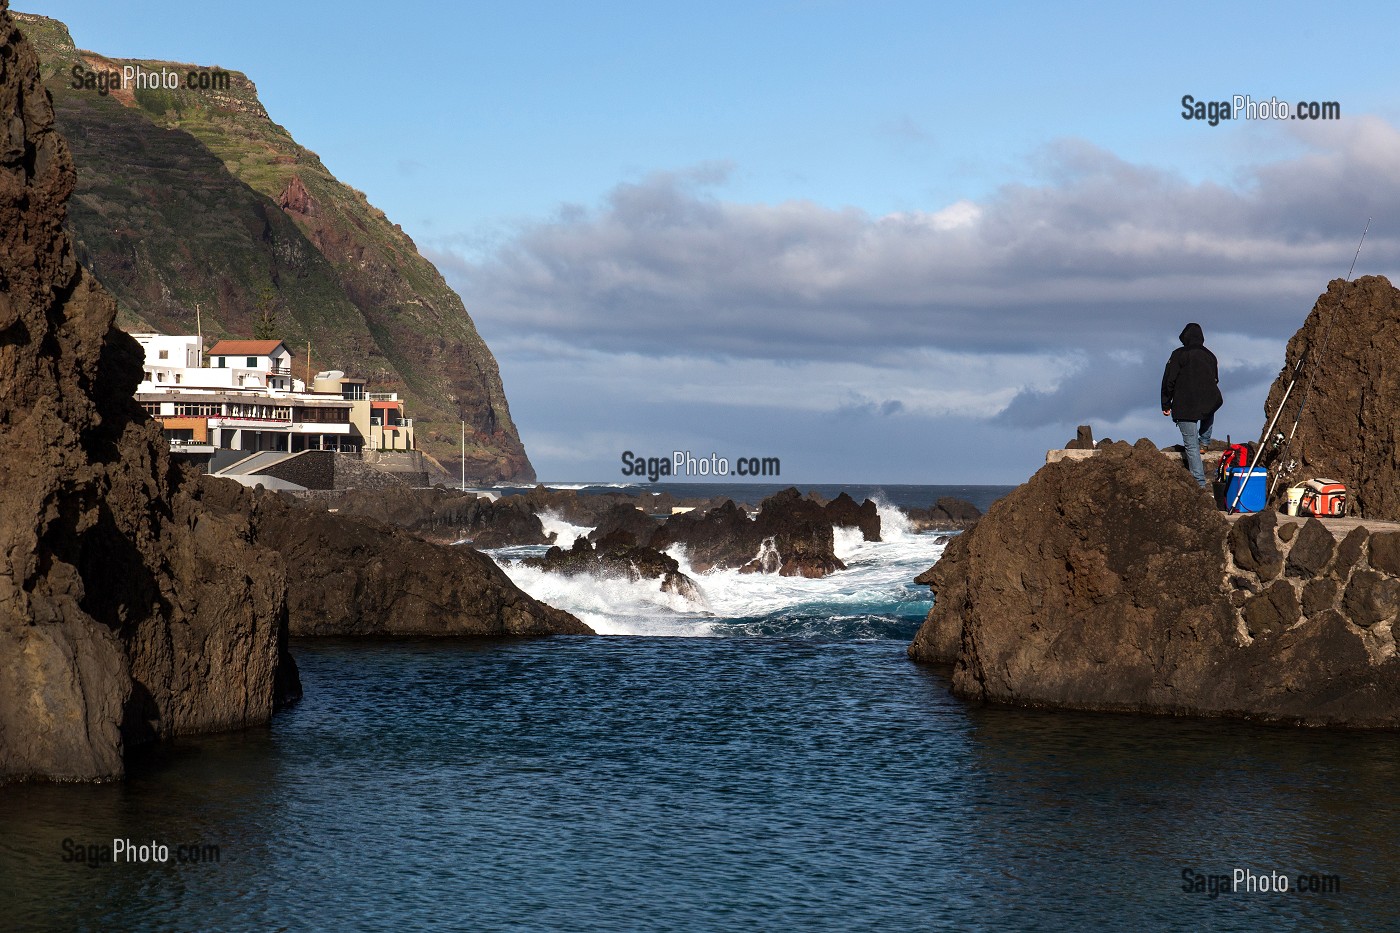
column 1307, row 391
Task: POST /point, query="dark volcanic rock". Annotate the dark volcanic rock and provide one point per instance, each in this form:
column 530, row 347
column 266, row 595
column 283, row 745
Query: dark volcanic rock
column 939, row 639
column 1313, row 550
column 1347, row 429
column 444, row 515
column 790, row 536
column 1109, row 584
column 1083, row 439
column 626, row 518
column 947, row 514
column 1385, row 552
column 618, row 555
column 127, row 614
column 358, row 576
column 1371, row 597
column 1255, row 544
column 844, row 513
column 1319, row 595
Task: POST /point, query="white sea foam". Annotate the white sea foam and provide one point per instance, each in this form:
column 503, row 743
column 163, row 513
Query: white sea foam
column 564, row 532
column 877, row 584
column 615, row 605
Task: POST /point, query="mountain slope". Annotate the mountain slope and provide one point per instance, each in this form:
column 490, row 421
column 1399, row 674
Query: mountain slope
column 194, row 197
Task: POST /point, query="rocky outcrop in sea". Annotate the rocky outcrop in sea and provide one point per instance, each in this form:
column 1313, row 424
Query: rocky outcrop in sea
column 618, row 555
column 128, row 613
column 1113, row 583
column 791, row 535
column 356, row 576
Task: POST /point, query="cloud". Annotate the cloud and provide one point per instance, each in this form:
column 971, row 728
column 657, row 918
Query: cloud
column 1100, row 248
column 1047, row 304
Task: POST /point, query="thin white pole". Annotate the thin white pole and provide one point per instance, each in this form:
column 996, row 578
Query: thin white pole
column 464, row 456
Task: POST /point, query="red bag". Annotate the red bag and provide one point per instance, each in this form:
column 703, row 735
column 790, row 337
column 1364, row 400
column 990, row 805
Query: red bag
column 1236, row 456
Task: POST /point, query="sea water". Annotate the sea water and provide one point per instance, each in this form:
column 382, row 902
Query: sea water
column 769, row 760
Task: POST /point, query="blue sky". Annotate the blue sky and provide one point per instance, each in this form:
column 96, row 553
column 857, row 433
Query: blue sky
column 886, row 242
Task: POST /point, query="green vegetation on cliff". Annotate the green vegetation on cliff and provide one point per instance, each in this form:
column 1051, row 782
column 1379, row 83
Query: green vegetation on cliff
column 196, row 198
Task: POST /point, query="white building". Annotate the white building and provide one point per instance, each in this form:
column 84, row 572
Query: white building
column 247, row 400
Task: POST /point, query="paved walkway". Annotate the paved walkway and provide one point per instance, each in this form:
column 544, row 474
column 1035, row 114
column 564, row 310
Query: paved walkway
column 1339, row 527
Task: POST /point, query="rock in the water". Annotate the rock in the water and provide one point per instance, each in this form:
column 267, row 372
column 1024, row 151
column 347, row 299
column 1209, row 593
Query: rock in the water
column 353, row 576
column 947, row 514
column 445, row 515
column 618, row 555
column 790, row 536
column 1113, row 584
column 1351, row 384
column 626, row 518
column 127, row 613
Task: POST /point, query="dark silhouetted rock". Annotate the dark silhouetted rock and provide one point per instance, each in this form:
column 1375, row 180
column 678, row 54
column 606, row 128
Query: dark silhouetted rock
column 1111, row 583
column 1083, row 439
column 127, row 614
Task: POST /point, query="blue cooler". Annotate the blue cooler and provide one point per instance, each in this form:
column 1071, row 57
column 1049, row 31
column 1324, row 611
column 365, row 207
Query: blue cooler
column 1256, row 488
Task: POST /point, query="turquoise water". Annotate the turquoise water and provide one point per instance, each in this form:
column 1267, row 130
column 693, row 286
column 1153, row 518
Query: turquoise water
column 706, row 783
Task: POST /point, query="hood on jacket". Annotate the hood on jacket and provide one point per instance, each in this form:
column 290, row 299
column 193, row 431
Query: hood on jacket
column 1192, row 336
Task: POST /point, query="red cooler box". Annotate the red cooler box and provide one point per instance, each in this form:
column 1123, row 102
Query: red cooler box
column 1326, row 498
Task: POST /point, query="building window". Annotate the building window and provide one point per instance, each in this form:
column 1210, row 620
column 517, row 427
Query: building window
column 252, row 362
column 177, row 378
column 352, row 391
column 164, row 355
column 148, row 375
column 223, row 363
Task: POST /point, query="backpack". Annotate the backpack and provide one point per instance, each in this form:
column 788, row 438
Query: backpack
column 1236, row 456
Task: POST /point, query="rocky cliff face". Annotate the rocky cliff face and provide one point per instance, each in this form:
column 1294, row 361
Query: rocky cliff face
column 1350, row 427
column 1112, row 583
column 126, row 613
column 195, row 197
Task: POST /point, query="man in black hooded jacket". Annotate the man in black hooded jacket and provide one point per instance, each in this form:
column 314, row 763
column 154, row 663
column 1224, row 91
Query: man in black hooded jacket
column 1191, row 395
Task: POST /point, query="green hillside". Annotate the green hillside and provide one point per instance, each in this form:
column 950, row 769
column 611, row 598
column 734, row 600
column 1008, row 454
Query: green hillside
column 196, row 198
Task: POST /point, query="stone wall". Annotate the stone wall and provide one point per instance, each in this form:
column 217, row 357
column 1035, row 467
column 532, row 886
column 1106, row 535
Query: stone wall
column 312, row 469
